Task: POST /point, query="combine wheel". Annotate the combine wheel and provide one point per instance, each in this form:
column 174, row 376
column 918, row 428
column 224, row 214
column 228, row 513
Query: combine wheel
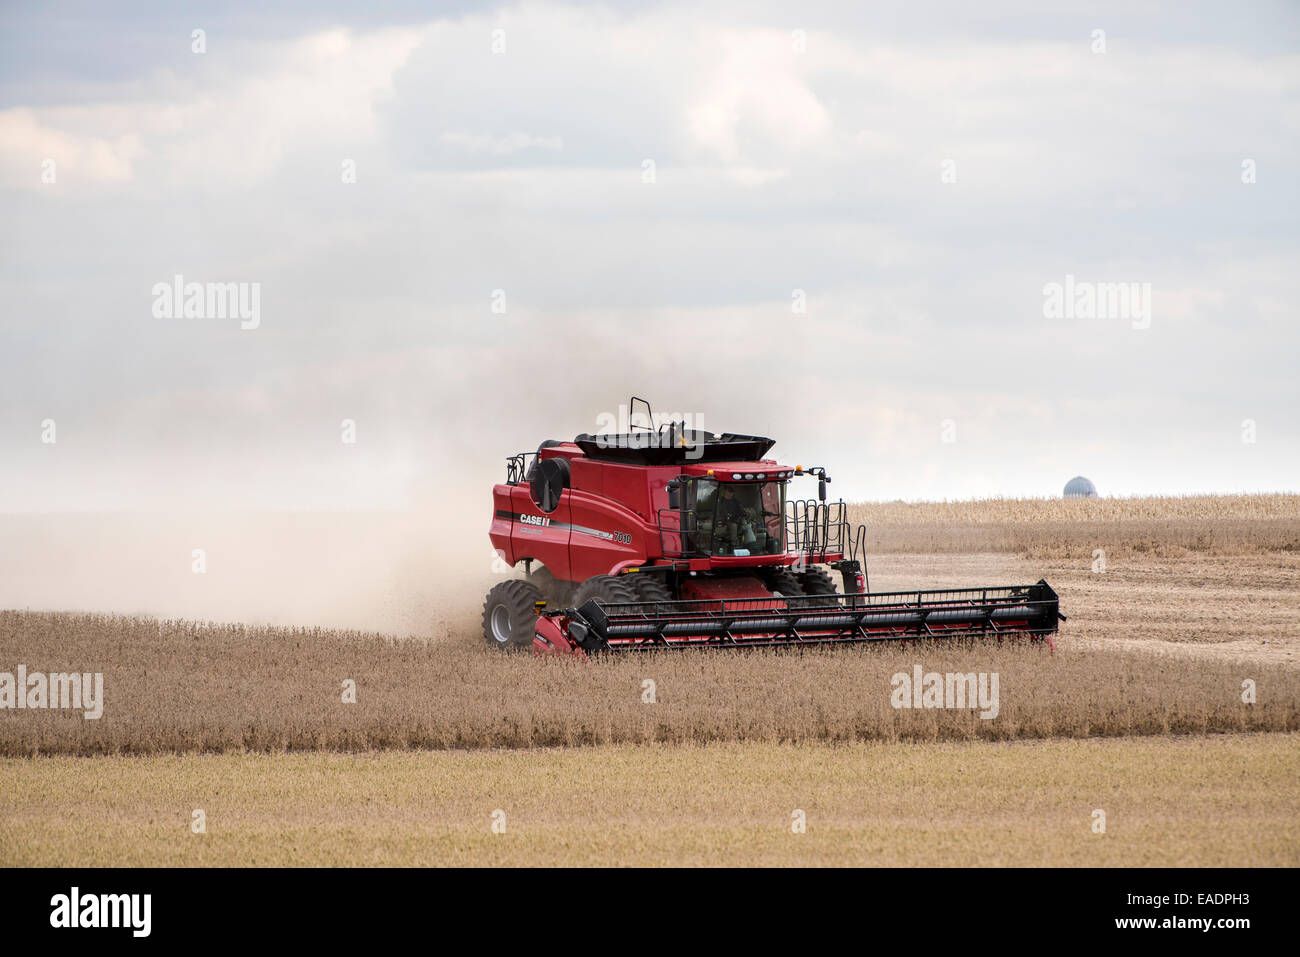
column 604, row 588
column 651, row 588
column 782, row 581
column 817, row 581
column 556, row 592
column 509, row 614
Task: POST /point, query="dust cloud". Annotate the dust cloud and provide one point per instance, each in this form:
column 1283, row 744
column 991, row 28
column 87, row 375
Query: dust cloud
column 421, row 571
column 420, row 567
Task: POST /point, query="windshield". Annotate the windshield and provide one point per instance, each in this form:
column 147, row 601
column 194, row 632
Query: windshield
column 740, row 518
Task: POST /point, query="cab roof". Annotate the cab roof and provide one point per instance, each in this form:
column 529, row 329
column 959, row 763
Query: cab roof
column 670, row 446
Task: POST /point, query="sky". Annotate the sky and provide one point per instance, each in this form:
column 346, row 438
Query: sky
column 472, row 227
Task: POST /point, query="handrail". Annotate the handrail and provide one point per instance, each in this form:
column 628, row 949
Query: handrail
column 518, row 466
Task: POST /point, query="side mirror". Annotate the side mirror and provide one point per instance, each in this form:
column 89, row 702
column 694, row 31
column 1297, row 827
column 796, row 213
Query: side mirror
column 674, row 494
column 821, row 488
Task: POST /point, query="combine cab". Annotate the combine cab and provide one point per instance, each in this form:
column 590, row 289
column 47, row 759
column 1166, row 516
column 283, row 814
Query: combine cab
column 678, row 538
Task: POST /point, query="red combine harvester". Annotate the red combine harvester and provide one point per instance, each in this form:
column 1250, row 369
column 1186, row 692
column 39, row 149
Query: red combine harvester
column 679, row 538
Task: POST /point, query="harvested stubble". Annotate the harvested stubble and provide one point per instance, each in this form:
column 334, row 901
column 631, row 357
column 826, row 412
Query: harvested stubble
column 181, row 686
column 1191, row 801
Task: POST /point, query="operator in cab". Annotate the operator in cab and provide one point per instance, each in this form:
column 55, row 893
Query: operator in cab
column 734, row 519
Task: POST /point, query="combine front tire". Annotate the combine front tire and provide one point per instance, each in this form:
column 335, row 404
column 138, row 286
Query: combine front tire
column 781, row 581
column 509, row 615
column 816, row 581
column 651, row 588
column 605, row 589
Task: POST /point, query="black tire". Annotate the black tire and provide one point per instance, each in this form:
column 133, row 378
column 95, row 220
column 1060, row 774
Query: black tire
column 509, row 615
column 604, row 589
column 782, row 580
column 817, row 581
column 651, row 588
column 555, row 592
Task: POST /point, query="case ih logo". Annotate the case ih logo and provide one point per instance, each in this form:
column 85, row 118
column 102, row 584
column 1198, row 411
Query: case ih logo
column 540, row 520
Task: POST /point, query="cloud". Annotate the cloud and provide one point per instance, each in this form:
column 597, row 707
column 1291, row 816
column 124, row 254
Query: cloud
column 756, row 100
column 31, row 152
column 237, row 126
column 502, row 145
column 776, row 170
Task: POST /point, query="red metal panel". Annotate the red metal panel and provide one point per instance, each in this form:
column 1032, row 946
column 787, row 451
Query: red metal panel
column 550, row 638
column 499, row 531
column 565, row 450
column 730, row 587
column 539, row 535
column 586, row 475
column 605, row 536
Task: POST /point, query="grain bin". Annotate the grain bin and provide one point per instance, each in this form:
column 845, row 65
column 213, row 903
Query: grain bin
column 1080, row 487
